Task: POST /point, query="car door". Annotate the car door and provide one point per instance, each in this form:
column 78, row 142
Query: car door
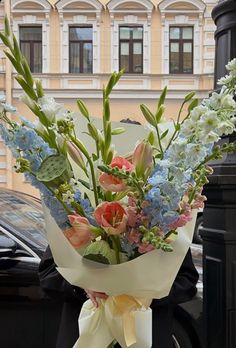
column 27, row 320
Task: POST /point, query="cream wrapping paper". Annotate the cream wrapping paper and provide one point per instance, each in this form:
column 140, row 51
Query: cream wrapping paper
column 149, row 276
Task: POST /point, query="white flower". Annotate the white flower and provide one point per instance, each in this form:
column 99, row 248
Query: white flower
column 231, row 66
column 68, row 197
column 74, row 183
column 226, row 127
column 188, row 128
column 50, row 108
column 228, row 102
column 2, row 99
column 39, row 127
column 208, row 138
column 197, row 112
column 209, row 121
column 24, row 98
column 226, row 80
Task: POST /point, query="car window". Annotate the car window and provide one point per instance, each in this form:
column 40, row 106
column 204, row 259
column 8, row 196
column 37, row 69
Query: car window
column 24, row 215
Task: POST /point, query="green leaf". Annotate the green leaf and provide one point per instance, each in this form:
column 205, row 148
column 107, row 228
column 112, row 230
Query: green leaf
column 177, row 127
column 92, row 131
column 148, row 115
column 189, row 96
column 16, row 65
column 110, row 85
column 84, row 183
column 151, row 138
column 5, row 40
column 27, row 73
column 109, row 156
column 39, row 88
column 7, row 28
column 83, row 109
column 99, row 251
column 28, row 90
column 117, row 131
column 159, row 113
column 192, row 105
column 17, row 51
column 164, row 134
column 106, row 109
column 108, row 134
column 162, row 97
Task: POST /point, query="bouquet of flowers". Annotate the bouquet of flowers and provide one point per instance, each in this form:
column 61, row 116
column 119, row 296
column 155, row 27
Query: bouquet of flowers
column 111, row 218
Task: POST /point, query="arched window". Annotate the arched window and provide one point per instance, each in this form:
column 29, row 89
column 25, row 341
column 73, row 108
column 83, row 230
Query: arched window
column 131, row 35
column 31, row 27
column 80, row 35
column 182, row 22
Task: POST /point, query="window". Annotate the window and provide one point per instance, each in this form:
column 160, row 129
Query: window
column 81, row 49
column 131, row 49
column 181, row 50
column 31, row 47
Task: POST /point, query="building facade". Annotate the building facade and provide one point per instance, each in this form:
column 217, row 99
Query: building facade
column 73, row 46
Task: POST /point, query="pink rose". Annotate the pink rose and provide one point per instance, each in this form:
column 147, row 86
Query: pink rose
column 110, row 182
column 80, row 233
column 112, row 217
column 145, row 248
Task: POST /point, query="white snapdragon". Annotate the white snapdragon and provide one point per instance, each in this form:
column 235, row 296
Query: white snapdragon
column 24, row 98
column 197, row 112
column 226, row 80
column 226, row 127
column 208, row 138
column 228, row 102
column 209, row 121
column 188, row 128
column 50, row 108
column 231, row 66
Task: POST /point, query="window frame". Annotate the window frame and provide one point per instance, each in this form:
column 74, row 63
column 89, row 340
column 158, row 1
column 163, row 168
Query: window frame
column 31, row 42
column 181, row 43
column 81, row 52
column 131, row 42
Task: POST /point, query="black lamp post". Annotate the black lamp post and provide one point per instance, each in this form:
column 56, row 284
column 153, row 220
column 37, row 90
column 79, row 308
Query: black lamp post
column 219, row 232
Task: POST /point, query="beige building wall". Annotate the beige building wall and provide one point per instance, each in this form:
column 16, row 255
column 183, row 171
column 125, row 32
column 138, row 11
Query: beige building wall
column 155, row 16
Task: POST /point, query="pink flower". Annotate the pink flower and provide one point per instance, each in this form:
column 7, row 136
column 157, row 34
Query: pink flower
column 133, row 217
column 110, row 182
column 182, row 221
column 145, row 248
column 199, row 201
column 80, row 233
column 142, row 158
column 134, row 236
column 112, row 217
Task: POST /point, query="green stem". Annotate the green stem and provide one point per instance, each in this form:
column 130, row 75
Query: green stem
column 159, row 141
column 86, row 154
column 115, row 245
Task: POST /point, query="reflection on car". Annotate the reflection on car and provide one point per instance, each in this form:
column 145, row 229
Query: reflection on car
column 29, row 320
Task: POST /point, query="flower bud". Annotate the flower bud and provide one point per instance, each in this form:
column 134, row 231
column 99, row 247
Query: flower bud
column 76, row 155
column 142, row 158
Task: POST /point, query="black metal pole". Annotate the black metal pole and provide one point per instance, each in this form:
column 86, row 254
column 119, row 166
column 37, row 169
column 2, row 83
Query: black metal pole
column 219, row 231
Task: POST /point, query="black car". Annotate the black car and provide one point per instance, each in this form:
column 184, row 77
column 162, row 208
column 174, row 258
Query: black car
column 27, row 319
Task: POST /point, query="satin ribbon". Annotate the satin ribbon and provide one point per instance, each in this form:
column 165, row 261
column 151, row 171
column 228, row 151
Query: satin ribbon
column 124, row 318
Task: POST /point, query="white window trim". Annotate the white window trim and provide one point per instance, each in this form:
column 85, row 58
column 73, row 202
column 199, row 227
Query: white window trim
column 29, row 17
column 131, row 20
column 79, row 20
column 182, row 19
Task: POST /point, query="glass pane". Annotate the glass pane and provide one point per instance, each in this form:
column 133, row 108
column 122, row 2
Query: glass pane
column 31, row 33
column 137, row 60
column 174, row 33
column 174, row 47
column 124, row 48
column 187, row 33
column 124, row 56
column 124, row 33
column 187, row 47
column 137, row 33
column 87, row 58
column 74, row 58
column 174, row 58
column 37, row 59
column 187, row 62
column 81, row 33
column 25, row 49
column 137, row 48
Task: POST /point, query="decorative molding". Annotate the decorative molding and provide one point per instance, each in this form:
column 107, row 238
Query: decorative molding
column 29, row 19
column 113, row 4
column 163, row 6
column 97, row 5
column 44, row 6
column 80, row 17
